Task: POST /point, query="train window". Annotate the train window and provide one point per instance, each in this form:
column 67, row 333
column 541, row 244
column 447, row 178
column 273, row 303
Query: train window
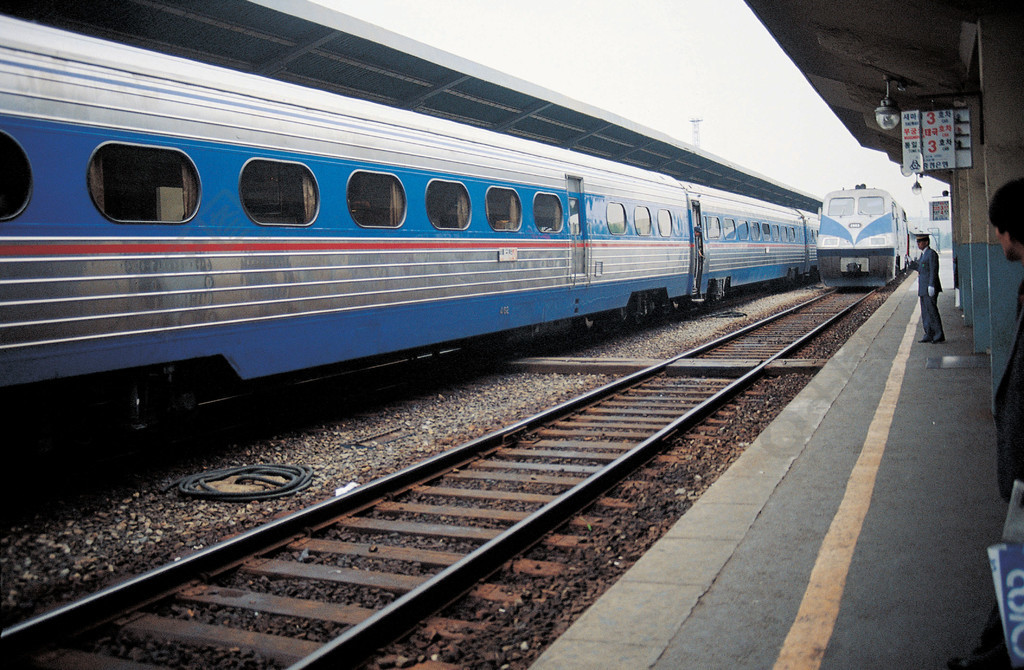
column 574, row 216
column 376, row 200
column 448, row 205
column 743, row 230
column 15, row 178
column 775, row 233
column 642, row 220
column 871, row 204
column 767, row 232
column 278, row 193
column 714, row 227
column 504, row 211
column 547, row 213
column 133, row 184
column 840, row 207
column 729, row 229
column 755, row 230
column 616, row 218
column 665, row 222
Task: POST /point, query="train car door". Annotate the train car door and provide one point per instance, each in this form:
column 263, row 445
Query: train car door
column 806, row 229
column 577, row 231
column 697, row 255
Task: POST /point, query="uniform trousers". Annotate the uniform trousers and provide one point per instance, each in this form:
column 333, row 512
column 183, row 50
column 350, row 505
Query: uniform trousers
column 930, row 318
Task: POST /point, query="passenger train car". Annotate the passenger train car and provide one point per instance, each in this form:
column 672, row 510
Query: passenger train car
column 162, row 219
column 864, row 238
column 748, row 242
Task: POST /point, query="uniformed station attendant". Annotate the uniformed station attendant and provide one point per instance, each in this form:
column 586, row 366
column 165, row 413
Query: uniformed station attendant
column 928, row 289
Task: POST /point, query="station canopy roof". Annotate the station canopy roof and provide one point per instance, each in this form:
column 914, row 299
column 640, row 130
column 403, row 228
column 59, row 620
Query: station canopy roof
column 928, row 50
column 307, row 44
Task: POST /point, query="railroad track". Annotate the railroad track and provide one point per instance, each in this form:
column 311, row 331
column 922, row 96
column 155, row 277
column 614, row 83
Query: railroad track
column 332, row 584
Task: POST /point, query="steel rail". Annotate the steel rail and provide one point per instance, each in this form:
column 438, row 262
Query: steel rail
column 362, row 639
column 111, row 602
column 736, row 334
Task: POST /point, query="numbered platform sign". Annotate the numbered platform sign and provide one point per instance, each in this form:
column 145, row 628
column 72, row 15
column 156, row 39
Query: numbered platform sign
column 913, row 160
column 937, row 140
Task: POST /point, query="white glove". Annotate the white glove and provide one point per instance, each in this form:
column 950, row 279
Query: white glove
column 931, row 291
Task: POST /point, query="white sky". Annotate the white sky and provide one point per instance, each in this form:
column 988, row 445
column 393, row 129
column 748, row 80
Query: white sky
column 660, row 63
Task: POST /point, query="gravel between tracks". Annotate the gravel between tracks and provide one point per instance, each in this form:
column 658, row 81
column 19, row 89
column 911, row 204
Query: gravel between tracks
column 60, row 546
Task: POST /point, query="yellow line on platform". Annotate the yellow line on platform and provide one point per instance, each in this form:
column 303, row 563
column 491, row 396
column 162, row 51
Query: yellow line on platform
column 805, row 645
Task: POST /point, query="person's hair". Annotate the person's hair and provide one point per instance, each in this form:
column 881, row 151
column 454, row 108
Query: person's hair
column 1006, row 211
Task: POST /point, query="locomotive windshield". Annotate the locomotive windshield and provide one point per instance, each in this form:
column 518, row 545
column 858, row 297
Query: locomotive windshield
column 872, row 205
column 840, row 207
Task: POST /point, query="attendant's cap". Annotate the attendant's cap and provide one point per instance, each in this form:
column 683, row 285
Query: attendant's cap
column 923, row 236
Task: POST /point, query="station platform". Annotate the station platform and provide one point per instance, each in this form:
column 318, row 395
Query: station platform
column 851, row 534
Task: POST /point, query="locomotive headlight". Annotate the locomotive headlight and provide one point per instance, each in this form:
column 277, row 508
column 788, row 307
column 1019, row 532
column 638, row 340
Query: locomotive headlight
column 833, row 242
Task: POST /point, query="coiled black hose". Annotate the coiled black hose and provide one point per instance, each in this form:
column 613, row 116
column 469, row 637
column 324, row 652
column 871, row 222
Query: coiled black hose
column 295, row 478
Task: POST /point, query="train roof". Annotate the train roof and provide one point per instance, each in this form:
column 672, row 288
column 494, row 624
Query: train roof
column 858, row 191
column 847, row 192
column 321, row 48
column 741, row 202
column 215, row 87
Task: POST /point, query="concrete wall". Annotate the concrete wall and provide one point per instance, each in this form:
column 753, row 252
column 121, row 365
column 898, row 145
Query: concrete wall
column 1001, row 60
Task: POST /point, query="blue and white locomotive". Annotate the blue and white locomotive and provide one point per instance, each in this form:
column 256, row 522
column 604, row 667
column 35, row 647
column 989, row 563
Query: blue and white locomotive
column 864, row 239
column 162, row 219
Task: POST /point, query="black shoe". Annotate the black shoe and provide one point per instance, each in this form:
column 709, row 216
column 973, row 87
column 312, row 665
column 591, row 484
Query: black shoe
column 939, row 339
column 925, row 340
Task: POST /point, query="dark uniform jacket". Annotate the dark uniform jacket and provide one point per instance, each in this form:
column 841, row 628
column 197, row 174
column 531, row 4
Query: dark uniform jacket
column 1009, row 408
column 928, row 270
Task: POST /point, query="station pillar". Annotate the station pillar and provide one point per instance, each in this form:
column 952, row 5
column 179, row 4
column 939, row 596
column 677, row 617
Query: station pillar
column 969, row 206
column 1001, row 62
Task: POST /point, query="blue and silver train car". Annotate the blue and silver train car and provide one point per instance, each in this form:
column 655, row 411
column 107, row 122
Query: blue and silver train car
column 163, row 220
column 746, row 241
column 864, row 239
column 162, row 217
